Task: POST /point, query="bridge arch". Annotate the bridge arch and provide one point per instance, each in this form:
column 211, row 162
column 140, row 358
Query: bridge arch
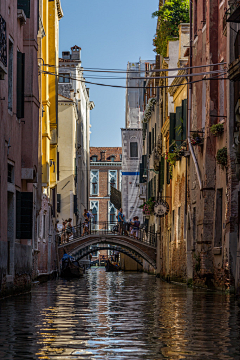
column 145, row 251
column 78, row 256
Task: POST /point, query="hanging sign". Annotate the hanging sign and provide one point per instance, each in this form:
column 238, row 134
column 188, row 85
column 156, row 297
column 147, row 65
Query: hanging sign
column 161, row 208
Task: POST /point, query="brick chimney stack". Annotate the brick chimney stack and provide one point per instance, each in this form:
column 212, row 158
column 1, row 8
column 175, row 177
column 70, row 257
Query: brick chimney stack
column 103, row 155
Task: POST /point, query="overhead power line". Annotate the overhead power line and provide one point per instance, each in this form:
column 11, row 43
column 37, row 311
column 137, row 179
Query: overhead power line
column 145, row 87
column 137, row 71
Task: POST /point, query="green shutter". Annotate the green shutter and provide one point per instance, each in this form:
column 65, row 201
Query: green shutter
column 20, row 84
column 184, row 124
column 25, row 6
column 178, row 128
column 172, row 131
column 161, row 173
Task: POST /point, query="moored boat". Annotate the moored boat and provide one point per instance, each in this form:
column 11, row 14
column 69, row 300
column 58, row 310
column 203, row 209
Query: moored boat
column 112, row 266
column 70, row 267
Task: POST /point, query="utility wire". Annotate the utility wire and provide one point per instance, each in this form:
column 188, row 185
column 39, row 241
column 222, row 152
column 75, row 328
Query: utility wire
column 137, row 71
column 140, row 87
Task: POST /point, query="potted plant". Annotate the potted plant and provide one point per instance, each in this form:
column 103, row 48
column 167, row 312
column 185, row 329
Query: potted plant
column 217, row 129
column 196, row 139
column 222, row 156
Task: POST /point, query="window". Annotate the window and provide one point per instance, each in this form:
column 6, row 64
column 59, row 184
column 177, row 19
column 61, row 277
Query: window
column 112, row 213
column 94, row 182
column 120, row 157
column 10, row 76
column 64, row 78
column 112, row 157
column 44, row 226
column 10, row 177
column 94, row 208
column 112, row 180
column 94, row 158
column 133, row 149
column 195, row 18
column 20, row 84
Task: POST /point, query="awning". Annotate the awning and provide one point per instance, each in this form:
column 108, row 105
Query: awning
column 116, row 198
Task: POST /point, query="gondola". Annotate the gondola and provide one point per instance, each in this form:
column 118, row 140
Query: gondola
column 70, row 268
column 112, row 267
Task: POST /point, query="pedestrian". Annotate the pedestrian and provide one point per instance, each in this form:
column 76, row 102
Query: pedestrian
column 86, row 214
column 85, row 227
column 120, row 221
column 63, row 236
column 116, row 256
column 136, row 225
column 125, row 232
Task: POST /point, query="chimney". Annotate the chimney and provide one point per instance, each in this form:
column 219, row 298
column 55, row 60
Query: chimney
column 66, row 55
column 76, row 53
column 103, row 155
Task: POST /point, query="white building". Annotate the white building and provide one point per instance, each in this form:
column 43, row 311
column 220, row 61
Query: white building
column 72, row 86
column 132, row 139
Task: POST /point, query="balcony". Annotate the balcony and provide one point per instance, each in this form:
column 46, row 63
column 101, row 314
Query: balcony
column 3, row 48
column 233, row 12
column 234, row 70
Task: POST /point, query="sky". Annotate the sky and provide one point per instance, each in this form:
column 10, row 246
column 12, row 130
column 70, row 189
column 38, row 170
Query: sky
column 110, row 33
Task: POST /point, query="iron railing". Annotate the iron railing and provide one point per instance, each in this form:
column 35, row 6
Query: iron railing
column 106, row 228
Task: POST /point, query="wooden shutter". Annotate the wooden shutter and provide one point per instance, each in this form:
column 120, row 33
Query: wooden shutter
column 178, row 128
column 58, row 203
column 172, row 131
column 161, row 173
column 184, row 116
column 20, row 84
column 25, row 6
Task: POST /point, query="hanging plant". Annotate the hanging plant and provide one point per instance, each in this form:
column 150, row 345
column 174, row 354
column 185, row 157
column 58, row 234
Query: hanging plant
column 217, row 129
column 222, row 156
column 149, row 109
column 148, row 207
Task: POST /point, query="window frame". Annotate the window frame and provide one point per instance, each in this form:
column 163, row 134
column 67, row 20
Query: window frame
column 64, row 77
column 109, row 178
column 91, row 182
column 133, row 157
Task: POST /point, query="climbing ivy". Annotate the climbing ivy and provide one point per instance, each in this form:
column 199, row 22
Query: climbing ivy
column 170, row 15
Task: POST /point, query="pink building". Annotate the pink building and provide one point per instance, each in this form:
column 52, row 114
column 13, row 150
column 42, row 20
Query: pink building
column 20, row 174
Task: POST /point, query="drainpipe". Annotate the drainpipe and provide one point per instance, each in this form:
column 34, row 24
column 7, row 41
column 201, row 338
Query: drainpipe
column 190, row 105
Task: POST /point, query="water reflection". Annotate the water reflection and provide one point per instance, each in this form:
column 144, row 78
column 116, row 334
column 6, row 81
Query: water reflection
column 119, row 316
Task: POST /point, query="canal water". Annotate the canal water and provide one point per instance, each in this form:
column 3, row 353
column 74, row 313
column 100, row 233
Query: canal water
column 119, row 316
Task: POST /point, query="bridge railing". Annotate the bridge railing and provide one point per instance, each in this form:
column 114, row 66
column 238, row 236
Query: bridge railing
column 107, row 228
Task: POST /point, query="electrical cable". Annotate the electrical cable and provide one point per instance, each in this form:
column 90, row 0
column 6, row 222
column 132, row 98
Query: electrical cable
column 138, row 87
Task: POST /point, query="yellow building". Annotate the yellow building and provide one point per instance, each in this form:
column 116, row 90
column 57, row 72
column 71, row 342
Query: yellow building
column 51, row 14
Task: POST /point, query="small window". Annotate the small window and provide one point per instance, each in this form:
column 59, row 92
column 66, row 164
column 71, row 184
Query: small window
column 120, row 157
column 133, row 149
column 94, row 158
column 112, row 158
column 10, row 173
column 64, row 78
column 94, row 182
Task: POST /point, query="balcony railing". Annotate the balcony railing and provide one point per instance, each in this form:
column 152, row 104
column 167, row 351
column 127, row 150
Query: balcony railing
column 233, row 12
column 3, row 42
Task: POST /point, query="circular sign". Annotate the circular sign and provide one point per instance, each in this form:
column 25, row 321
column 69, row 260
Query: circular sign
column 161, row 208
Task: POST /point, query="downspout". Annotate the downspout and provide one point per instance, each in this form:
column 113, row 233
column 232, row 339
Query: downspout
column 190, row 106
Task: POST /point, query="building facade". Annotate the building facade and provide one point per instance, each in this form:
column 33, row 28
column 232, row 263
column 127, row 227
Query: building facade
column 20, row 175
column 71, row 86
column 105, row 171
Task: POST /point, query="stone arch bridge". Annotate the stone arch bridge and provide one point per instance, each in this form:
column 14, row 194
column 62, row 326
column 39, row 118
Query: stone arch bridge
column 135, row 248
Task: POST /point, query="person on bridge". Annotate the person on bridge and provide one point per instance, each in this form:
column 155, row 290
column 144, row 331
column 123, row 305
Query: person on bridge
column 136, row 225
column 120, row 221
column 85, row 227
